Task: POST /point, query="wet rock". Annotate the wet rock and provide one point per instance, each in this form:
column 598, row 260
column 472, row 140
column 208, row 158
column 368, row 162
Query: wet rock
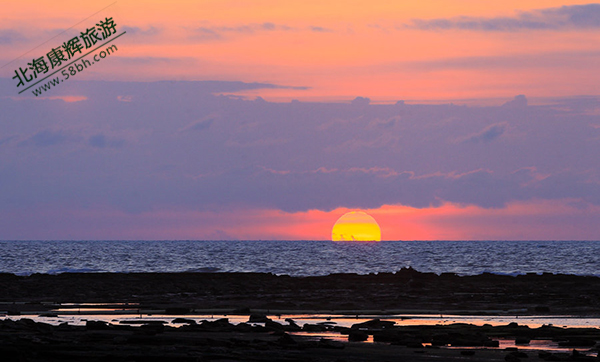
column 25, row 324
column 274, row 326
column 441, row 340
column 44, row 328
column 515, row 356
column 64, row 327
column 491, row 343
column 286, row 339
column 577, row 342
column 218, row 343
column 220, row 325
column 257, row 318
column 292, row 326
column 183, row 321
column 120, row 340
column 151, row 329
column 512, row 358
column 373, row 324
column 457, row 339
column 386, row 336
column 142, row 322
column 408, row 340
column 291, row 322
column 244, row 328
column 414, row 345
column 357, row 336
column 522, row 341
column 341, row 330
column 314, row 327
column 544, row 355
column 217, row 351
column 329, row 344
column 9, row 353
column 473, row 340
column 96, row 326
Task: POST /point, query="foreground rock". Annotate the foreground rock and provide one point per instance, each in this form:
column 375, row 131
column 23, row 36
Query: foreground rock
column 26, row 340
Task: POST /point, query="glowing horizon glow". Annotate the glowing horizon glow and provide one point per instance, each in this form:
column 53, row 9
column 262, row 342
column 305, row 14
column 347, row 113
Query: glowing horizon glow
column 356, row 226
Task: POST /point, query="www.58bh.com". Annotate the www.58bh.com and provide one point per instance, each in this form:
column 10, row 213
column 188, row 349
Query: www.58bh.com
column 75, row 68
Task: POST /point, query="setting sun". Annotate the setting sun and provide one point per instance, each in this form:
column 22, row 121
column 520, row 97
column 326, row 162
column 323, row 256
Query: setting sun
column 356, row 226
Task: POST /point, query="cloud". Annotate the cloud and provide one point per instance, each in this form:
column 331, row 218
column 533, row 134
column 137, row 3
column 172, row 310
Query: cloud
column 182, row 89
column 205, row 33
column 219, row 32
column 214, row 32
column 152, row 60
column 200, row 125
column 9, row 36
column 7, row 139
column 137, row 31
column 581, row 17
column 361, row 101
column 47, row 138
column 102, row 141
column 250, row 28
column 68, row 99
column 185, row 146
column 529, row 62
column 488, row 134
column 518, row 101
column 320, row 29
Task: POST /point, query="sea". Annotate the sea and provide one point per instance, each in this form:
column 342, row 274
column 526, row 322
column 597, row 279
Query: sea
column 301, row 258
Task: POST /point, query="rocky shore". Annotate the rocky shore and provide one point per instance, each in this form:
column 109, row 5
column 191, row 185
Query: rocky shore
column 262, row 339
column 26, row 340
column 405, row 290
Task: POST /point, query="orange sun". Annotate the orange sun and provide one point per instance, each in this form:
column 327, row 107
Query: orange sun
column 356, row 226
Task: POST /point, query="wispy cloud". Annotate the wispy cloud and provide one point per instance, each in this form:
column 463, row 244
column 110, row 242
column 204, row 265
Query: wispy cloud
column 574, row 59
column 215, row 32
column 565, row 17
column 47, row 138
column 488, row 134
column 199, row 125
column 137, row 31
column 102, row 141
column 219, row 32
column 320, row 29
column 9, row 36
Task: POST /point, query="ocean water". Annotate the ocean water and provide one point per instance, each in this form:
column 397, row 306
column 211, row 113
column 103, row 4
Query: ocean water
column 301, row 258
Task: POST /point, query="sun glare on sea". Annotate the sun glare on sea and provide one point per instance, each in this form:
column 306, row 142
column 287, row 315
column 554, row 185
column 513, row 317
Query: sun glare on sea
column 356, row 226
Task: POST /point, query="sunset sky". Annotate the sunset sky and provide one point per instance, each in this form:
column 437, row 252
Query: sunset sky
column 263, row 119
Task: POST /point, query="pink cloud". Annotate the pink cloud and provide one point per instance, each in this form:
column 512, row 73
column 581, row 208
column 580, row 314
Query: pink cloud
column 565, row 219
